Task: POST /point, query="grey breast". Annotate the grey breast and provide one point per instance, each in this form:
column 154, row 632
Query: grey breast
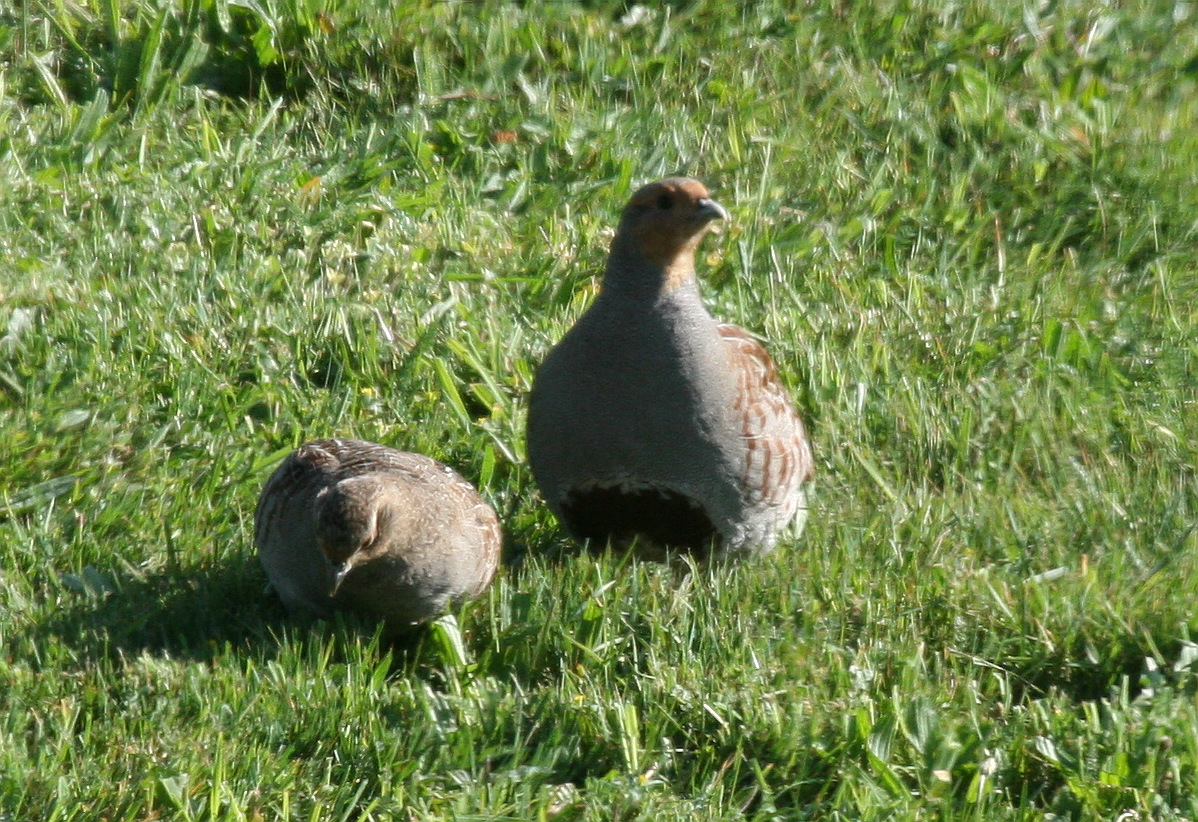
column 638, row 399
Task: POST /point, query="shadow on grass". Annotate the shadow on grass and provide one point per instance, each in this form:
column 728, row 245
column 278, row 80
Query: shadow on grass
column 205, row 612
column 223, row 607
column 192, row 612
column 559, row 547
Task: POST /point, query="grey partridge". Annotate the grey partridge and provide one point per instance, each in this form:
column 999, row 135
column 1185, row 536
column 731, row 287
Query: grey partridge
column 649, row 420
column 393, row 536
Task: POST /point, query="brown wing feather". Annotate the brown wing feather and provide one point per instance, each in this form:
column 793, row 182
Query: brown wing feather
column 778, row 456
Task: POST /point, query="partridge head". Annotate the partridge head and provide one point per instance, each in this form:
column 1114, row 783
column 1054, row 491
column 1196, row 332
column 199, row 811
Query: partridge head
column 661, row 228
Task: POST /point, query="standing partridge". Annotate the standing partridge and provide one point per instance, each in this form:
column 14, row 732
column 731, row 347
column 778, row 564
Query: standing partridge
column 393, row 536
column 650, row 420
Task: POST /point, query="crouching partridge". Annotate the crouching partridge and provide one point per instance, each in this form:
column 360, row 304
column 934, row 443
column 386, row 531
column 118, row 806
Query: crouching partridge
column 650, row 420
column 393, row 536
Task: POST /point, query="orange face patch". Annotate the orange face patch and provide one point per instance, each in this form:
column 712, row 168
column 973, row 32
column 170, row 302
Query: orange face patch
column 668, row 218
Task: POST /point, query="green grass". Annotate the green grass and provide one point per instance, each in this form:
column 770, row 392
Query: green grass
column 968, row 231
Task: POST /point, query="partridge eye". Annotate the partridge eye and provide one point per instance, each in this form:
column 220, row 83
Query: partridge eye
column 665, row 202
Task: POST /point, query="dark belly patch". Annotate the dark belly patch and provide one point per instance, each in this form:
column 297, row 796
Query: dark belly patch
column 665, row 518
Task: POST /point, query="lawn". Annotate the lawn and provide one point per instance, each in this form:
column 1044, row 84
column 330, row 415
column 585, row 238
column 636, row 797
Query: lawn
column 968, row 232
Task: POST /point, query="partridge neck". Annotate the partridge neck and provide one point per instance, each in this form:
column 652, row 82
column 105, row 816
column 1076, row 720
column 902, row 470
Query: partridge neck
column 632, row 275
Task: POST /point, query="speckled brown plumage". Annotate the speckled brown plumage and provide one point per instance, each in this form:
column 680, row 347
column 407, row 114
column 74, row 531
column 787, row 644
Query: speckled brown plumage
column 391, row 535
column 651, row 420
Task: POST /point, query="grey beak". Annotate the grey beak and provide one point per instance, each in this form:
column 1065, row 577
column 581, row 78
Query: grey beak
column 345, row 568
column 711, row 210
